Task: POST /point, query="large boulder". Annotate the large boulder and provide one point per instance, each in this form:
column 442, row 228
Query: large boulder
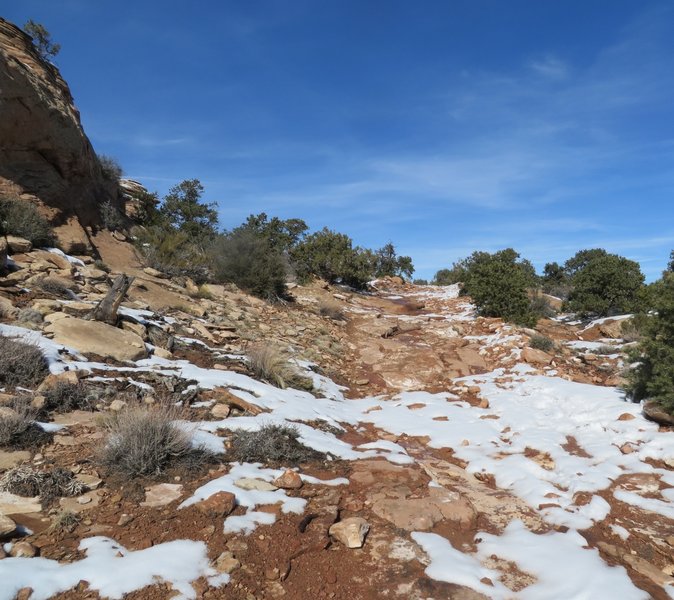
column 45, row 157
column 94, row 337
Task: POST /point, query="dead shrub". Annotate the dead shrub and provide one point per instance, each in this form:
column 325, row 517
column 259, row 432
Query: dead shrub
column 29, row 317
column 271, row 365
column 48, row 485
column 18, row 429
column 146, row 441
column 272, row 444
column 21, row 363
column 331, row 309
column 56, row 287
column 66, row 397
column 542, row 342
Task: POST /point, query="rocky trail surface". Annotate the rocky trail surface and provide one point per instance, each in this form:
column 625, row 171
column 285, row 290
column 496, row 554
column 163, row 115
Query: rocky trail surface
column 461, row 462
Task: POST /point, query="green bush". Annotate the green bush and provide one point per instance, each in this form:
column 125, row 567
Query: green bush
column 183, row 210
column 331, row 256
column 22, row 219
column 172, row 252
column 41, row 40
column 653, row 375
column 606, row 285
column 389, row 264
column 497, row 284
column 281, row 235
column 248, row 261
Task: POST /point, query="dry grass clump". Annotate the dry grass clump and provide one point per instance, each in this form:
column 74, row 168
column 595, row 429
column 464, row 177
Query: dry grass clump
column 271, row 365
column 147, row 441
column 64, row 522
column 66, row 397
column 29, row 317
column 542, row 342
column 272, row 444
column 21, row 363
column 48, row 485
column 331, row 309
column 56, row 287
column 18, row 429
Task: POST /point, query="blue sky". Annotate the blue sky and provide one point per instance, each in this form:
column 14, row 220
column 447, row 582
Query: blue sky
column 442, row 126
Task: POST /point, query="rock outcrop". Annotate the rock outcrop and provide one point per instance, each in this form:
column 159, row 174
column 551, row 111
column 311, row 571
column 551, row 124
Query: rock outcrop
column 45, row 156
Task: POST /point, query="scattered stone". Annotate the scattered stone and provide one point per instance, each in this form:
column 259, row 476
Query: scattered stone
column 81, row 503
column 289, row 480
column 24, row 593
column 626, row 448
column 7, row 526
column 653, row 411
column 117, row 405
column 154, row 273
column 124, row 520
column 350, row 532
column 23, row 549
column 226, row 563
column 249, row 483
column 220, row 411
column 626, row 417
column 18, row 245
column 91, row 481
column 218, row 505
column 162, row 494
column 534, row 356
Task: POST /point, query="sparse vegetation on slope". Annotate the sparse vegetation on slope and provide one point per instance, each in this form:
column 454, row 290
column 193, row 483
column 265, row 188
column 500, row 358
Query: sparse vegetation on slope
column 22, row 219
column 146, row 441
column 272, row 444
column 18, row 429
column 48, row 485
column 21, row 364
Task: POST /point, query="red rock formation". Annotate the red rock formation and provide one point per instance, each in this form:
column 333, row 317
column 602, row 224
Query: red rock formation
column 45, row 156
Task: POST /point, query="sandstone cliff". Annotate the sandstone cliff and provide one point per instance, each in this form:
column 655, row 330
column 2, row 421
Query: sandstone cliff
column 45, row 156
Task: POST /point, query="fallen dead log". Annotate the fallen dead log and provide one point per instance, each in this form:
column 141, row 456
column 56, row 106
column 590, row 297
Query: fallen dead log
column 224, row 396
column 106, row 309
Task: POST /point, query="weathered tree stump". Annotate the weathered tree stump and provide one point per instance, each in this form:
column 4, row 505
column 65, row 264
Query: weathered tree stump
column 106, row 309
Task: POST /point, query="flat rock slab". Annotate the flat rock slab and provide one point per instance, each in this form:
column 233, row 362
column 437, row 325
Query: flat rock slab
column 249, row 483
column 94, row 337
column 9, row 460
column 162, row 494
column 80, row 503
column 18, row 505
column 7, row 526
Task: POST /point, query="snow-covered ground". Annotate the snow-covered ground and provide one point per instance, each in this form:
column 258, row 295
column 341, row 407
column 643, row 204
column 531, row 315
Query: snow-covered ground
column 521, row 440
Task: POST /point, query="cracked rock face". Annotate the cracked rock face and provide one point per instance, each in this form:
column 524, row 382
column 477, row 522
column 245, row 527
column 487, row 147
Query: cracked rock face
column 45, row 156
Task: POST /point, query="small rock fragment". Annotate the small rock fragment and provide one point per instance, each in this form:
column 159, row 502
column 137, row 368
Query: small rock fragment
column 289, row 480
column 125, row 519
column 23, row 550
column 218, row 505
column 226, row 563
column 351, row 532
column 249, row 483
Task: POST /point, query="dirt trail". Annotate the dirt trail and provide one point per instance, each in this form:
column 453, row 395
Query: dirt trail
column 400, row 340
